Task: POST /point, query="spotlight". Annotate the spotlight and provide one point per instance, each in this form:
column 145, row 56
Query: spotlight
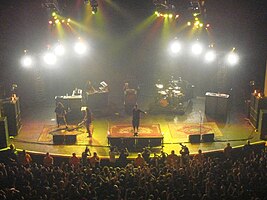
column 188, row 23
column 197, row 49
column 80, row 48
column 26, row 61
column 210, row 56
column 50, row 22
column 57, row 21
column 68, row 20
column 170, row 16
column 49, row 58
column 232, row 58
column 59, row 50
column 175, row 47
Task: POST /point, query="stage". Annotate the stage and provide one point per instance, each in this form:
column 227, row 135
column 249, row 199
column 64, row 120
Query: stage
column 169, row 130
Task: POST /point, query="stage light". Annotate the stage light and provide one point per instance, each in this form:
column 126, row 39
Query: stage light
column 175, row 47
column 165, row 15
column 62, row 20
column 232, row 58
column 50, row 22
column 57, row 21
column 196, row 23
column 68, row 20
column 210, row 56
column 176, row 16
column 170, row 16
column 208, row 25
column 49, row 58
column 197, row 49
column 59, row 50
column 80, row 48
column 54, row 14
column 26, row 61
column 188, row 23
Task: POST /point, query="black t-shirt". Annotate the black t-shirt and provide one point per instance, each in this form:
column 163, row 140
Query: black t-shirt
column 136, row 114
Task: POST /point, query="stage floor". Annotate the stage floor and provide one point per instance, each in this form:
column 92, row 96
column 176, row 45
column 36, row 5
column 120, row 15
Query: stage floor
column 174, row 128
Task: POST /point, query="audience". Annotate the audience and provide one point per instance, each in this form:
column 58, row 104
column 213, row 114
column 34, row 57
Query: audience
column 236, row 178
column 74, row 160
column 112, row 155
column 139, row 161
column 48, row 160
column 95, row 160
column 84, row 158
column 24, row 158
column 228, row 151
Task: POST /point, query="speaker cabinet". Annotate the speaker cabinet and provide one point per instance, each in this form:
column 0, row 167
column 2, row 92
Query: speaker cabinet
column 254, row 117
column 216, row 104
column 3, row 132
column 263, row 124
column 58, row 139
column 194, row 138
column 70, row 139
column 209, row 137
column 12, row 112
column 64, row 139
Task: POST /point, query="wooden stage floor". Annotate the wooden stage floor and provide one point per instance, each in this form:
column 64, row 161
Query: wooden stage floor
column 175, row 130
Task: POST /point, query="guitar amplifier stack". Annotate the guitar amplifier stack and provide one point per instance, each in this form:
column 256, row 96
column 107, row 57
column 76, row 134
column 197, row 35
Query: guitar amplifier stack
column 257, row 103
column 11, row 110
column 216, row 104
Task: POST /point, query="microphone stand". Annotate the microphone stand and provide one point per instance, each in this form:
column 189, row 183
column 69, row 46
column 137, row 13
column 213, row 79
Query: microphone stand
column 200, row 122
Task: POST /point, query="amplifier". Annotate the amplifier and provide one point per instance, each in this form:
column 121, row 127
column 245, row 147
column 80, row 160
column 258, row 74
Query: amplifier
column 3, row 132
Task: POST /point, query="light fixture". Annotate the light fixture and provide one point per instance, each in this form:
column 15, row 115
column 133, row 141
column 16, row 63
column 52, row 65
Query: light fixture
column 26, row 61
column 197, row 48
column 80, row 47
column 59, row 50
column 210, row 56
column 232, row 58
column 50, row 58
column 175, row 47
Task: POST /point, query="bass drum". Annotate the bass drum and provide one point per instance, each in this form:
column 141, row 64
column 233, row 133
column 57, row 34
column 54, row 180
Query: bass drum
column 163, row 103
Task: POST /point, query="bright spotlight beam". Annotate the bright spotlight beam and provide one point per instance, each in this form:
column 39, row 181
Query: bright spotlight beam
column 197, row 49
column 26, row 61
column 175, row 47
column 232, row 58
column 50, row 58
column 210, row 56
column 80, row 48
column 59, row 50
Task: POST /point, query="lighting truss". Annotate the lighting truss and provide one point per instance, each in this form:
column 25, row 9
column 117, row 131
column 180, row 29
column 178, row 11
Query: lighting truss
column 164, row 7
column 52, row 5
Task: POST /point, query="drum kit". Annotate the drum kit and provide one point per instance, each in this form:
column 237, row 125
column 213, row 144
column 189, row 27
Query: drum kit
column 171, row 95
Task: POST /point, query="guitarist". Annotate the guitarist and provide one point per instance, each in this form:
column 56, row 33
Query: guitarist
column 61, row 114
column 88, row 121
